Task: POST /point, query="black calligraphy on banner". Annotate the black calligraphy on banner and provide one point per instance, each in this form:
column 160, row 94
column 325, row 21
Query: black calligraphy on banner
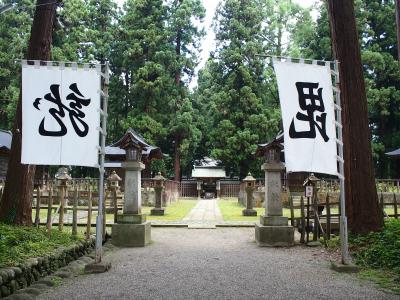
column 312, row 103
column 74, row 110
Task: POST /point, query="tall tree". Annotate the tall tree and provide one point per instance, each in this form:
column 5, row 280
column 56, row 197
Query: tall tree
column 185, row 35
column 15, row 206
column 233, row 90
column 140, row 62
column 362, row 205
column 397, row 3
column 15, row 25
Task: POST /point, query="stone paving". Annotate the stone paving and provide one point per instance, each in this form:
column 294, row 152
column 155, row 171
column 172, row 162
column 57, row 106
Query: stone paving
column 224, row 263
column 206, row 210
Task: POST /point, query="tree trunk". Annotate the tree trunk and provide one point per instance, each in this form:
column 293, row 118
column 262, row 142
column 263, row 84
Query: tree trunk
column 177, row 150
column 362, row 207
column 16, row 203
column 397, row 3
column 177, row 158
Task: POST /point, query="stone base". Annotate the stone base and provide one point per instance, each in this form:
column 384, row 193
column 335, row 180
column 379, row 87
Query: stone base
column 273, row 221
column 249, row 212
column 274, row 236
column 341, row 268
column 100, row 267
column 157, row 211
column 131, row 235
column 131, row 219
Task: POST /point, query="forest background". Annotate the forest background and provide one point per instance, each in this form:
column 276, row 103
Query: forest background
column 153, row 47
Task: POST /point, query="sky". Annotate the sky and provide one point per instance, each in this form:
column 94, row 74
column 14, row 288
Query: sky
column 208, row 42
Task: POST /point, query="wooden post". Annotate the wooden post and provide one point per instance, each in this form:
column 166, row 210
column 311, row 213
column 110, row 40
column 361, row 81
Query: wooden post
column 50, row 209
column 89, row 216
column 308, row 220
column 115, row 203
column 382, row 204
column 328, row 217
column 303, row 221
column 38, row 198
column 291, row 210
column 75, row 212
column 61, row 190
column 315, row 208
column 396, row 215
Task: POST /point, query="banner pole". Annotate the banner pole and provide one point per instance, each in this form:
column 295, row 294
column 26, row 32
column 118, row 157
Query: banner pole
column 103, row 133
column 343, row 219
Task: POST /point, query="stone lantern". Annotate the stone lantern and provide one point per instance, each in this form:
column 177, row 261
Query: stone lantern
column 273, row 229
column 62, row 177
column 113, row 181
column 131, row 229
column 158, row 180
column 250, row 184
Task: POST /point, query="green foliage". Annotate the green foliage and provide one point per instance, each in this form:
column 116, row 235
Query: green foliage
column 377, row 35
column 379, row 250
column 18, row 243
column 237, row 90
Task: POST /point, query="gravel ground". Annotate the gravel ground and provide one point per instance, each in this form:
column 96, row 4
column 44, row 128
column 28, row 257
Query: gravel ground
column 223, row 263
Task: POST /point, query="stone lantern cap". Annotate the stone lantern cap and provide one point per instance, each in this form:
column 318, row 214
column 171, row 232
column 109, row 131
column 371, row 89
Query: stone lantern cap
column 113, row 177
column 262, row 149
column 62, row 174
column 131, row 139
column 159, row 177
column 249, row 178
column 311, row 180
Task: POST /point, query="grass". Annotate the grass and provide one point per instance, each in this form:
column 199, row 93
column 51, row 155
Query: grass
column 385, row 279
column 231, row 210
column 174, row 212
column 18, row 243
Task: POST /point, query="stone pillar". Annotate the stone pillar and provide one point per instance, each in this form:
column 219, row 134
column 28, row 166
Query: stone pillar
column 133, row 187
column 198, row 190
column 273, row 229
column 131, row 229
column 218, row 188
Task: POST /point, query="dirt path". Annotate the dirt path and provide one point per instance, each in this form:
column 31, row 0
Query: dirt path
column 223, row 263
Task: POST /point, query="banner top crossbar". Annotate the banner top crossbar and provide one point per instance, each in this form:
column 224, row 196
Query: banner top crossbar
column 56, row 63
column 299, row 59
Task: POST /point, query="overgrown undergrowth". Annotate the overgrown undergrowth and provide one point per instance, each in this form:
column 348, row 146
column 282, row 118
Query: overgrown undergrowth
column 379, row 250
column 378, row 254
column 18, row 243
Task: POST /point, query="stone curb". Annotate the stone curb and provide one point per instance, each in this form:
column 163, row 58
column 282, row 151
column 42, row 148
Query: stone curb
column 34, row 273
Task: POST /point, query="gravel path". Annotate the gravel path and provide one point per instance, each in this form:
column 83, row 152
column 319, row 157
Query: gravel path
column 223, row 263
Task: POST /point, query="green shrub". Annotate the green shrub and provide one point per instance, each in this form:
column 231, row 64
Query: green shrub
column 379, row 250
column 18, row 243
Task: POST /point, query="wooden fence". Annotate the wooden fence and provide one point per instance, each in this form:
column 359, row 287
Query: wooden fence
column 230, row 189
column 188, row 189
column 326, row 220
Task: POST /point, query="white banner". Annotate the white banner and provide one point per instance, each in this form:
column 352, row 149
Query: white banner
column 60, row 115
column 308, row 115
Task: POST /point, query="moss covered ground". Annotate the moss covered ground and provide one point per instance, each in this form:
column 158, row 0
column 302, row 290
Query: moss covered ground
column 18, row 243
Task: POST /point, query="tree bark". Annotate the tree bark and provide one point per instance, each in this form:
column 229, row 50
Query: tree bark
column 16, row 203
column 177, row 159
column 397, row 3
column 177, row 150
column 362, row 206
